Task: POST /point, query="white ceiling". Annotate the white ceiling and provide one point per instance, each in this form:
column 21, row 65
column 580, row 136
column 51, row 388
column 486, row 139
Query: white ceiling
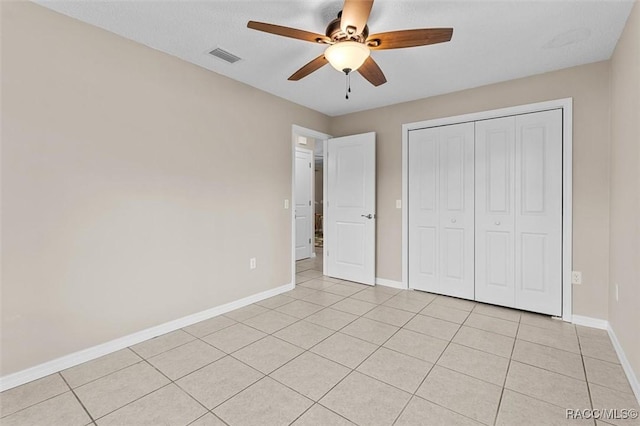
column 492, row 41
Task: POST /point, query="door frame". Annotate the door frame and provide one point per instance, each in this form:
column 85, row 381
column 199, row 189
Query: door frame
column 566, row 104
column 295, row 132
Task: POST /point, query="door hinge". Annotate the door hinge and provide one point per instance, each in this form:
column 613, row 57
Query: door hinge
column 309, row 202
column 327, row 253
column 309, row 240
column 309, row 165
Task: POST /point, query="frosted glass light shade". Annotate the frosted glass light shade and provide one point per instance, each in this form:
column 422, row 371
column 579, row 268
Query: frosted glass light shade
column 347, row 55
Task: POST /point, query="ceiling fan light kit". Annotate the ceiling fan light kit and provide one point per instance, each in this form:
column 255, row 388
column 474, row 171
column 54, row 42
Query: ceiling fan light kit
column 347, row 56
column 350, row 44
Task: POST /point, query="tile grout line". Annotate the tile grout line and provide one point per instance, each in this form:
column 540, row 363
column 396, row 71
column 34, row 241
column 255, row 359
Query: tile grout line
column 326, row 408
column 431, row 369
column 144, row 360
column 361, row 362
column 414, row 395
column 132, row 401
column 159, row 353
column 584, row 369
column 380, row 346
column 419, row 313
column 108, row 374
column 4, row 416
column 414, row 315
column 78, row 399
column 171, row 382
column 269, row 374
column 506, row 375
column 355, row 368
column 208, row 412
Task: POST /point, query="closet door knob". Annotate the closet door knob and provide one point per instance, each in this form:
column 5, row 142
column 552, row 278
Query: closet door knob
column 498, row 223
column 453, row 221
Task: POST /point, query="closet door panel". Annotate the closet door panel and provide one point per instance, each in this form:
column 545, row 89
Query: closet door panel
column 457, row 210
column 538, row 229
column 441, row 210
column 495, row 213
column 423, row 208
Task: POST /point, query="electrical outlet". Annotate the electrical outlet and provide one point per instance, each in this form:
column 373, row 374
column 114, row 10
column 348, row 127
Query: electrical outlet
column 286, row 204
column 617, row 292
column 576, row 277
column 398, row 204
column 252, row 263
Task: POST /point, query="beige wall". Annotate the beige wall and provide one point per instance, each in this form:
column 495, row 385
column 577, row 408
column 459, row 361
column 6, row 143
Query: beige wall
column 589, row 87
column 135, row 187
column 624, row 314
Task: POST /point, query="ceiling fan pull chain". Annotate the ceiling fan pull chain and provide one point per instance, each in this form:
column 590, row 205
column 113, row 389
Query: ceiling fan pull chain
column 346, row 80
column 347, row 73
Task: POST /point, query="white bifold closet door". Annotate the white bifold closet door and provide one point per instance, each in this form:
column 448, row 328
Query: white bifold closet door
column 441, row 212
column 519, row 212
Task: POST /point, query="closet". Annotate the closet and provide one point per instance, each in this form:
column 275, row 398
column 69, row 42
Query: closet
column 485, row 210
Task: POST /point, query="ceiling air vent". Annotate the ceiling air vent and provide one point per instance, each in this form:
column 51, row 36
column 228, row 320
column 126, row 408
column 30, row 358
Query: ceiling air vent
column 224, row 55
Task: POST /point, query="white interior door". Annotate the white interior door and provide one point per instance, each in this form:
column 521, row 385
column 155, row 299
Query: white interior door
column 495, row 212
column 350, row 229
column 538, row 212
column 303, row 208
column 441, row 210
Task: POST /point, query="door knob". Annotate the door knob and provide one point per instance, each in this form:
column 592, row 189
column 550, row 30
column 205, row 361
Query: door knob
column 498, row 223
column 453, row 221
column 368, row 216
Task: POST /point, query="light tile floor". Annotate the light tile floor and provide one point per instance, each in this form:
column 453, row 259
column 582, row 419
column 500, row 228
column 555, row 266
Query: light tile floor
column 332, row 352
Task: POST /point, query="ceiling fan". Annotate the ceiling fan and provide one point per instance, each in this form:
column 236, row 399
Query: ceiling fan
column 349, row 42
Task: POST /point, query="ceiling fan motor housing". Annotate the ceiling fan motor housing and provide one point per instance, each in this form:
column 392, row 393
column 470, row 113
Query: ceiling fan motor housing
column 335, row 33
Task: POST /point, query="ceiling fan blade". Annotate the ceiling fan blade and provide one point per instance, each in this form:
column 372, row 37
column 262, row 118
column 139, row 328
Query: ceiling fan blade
column 288, row 32
column 312, row 66
column 409, row 38
column 355, row 14
column 372, row 72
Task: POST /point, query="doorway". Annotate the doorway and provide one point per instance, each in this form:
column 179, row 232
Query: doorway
column 343, row 243
column 308, row 183
column 303, row 207
column 318, row 194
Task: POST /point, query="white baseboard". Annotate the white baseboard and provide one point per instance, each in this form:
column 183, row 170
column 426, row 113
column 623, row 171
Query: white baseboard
column 626, row 365
column 390, row 283
column 16, row 379
column 590, row 322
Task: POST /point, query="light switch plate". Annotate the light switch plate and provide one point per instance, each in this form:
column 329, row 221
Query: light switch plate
column 576, row 277
column 398, row 204
column 286, row 204
column 252, row 263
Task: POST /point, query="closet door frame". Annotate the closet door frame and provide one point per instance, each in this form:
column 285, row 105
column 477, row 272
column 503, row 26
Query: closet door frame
column 566, row 105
